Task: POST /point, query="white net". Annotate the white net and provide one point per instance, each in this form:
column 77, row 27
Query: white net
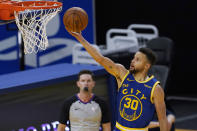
column 32, row 25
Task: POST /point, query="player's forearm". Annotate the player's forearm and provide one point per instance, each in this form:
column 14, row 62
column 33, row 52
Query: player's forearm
column 163, row 122
column 91, row 50
column 160, row 106
column 163, row 125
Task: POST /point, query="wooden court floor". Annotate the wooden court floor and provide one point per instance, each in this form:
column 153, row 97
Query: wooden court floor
column 184, row 130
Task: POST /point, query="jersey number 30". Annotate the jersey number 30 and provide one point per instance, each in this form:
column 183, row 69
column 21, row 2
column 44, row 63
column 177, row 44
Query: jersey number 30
column 133, row 104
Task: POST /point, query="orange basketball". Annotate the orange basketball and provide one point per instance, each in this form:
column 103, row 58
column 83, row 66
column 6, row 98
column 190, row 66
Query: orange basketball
column 75, row 19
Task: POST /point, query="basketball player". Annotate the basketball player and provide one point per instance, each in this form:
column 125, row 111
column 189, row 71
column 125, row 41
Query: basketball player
column 85, row 111
column 138, row 94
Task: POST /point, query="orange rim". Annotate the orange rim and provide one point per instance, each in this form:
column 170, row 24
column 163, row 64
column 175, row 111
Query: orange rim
column 32, row 5
column 7, row 8
column 6, row 5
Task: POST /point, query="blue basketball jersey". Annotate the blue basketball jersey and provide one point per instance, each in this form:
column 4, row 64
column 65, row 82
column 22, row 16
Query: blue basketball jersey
column 135, row 104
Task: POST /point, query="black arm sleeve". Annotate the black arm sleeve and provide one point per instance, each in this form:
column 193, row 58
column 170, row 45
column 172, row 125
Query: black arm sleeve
column 64, row 114
column 104, row 109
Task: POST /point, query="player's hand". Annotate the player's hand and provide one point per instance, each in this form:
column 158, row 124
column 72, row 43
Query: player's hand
column 153, row 124
column 171, row 120
column 75, row 34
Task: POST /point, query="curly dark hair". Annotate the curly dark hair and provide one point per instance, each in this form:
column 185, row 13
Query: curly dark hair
column 151, row 56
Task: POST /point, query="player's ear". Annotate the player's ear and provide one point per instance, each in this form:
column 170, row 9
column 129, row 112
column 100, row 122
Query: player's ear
column 147, row 66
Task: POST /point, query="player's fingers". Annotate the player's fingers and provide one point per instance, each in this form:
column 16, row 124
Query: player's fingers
column 75, row 34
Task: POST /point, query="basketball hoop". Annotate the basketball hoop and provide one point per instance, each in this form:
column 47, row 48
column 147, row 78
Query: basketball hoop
column 31, row 18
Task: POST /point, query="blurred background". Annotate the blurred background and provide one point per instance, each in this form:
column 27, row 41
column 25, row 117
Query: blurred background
column 174, row 19
column 31, row 83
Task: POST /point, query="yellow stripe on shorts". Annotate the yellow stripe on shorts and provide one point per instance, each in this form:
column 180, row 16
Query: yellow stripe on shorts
column 123, row 128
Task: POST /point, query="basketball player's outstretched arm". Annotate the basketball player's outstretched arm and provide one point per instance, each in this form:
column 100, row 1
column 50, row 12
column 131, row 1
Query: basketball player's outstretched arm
column 158, row 99
column 116, row 70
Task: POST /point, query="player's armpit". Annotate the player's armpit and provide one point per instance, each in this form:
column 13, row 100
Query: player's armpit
column 158, row 99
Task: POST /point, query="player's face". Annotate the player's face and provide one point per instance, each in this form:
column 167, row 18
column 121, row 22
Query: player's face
column 86, row 80
column 138, row 63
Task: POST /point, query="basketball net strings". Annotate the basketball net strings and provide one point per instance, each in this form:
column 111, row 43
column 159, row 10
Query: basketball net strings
column 32, row 25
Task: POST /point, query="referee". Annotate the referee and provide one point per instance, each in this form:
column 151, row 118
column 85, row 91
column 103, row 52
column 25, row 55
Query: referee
column 85, row 111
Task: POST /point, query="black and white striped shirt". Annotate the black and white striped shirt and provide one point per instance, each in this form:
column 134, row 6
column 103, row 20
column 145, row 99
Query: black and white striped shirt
column 84, row 116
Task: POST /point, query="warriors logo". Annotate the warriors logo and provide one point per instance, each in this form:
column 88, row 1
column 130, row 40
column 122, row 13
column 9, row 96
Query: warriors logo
column 130, row 107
